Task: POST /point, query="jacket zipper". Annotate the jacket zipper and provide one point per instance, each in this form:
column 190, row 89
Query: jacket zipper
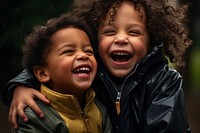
column 86, row 121
column 118, row 98
column 119, row 93
column 117, row 102
column 84, row 117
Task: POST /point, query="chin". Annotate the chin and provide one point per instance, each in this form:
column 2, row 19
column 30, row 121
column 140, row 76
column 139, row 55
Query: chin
column 84, row 87
column 120, row 74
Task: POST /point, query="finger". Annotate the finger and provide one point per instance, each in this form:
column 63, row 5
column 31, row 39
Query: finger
column 41, row 97
column 32, row 104
column 21, row 112
column 12, row 118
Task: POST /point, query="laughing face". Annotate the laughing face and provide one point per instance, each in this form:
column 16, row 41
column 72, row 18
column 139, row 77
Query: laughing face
column 71, row 66
column 123, row 42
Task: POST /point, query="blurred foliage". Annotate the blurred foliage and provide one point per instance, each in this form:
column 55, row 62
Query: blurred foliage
column 16, row 21
column 195, row 69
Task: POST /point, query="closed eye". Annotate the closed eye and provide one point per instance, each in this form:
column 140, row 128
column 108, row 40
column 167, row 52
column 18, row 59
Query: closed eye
column 89, row 52
column 134, row 32
column 69, row 51
column 109, row 32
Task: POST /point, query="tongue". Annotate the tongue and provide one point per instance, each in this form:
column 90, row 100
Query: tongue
column 82, row 74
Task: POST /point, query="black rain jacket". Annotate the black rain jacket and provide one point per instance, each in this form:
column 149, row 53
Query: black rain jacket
column 152, row 99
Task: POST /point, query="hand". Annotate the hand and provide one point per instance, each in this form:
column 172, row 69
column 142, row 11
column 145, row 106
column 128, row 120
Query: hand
column 20, row 101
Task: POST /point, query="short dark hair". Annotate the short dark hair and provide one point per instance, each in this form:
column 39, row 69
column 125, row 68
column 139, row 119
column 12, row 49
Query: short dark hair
column 38, row 43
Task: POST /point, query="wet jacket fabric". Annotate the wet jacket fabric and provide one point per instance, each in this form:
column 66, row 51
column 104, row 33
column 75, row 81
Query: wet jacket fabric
column 66, row 116
column 152, row 99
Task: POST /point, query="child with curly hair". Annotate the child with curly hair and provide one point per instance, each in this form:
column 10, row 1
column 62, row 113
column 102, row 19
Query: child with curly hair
column 135, row 40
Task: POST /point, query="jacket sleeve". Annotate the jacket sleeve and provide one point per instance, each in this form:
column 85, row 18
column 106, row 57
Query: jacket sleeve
column 51, row 123
column 34, row 125
column 24, row 78
column 166, row 111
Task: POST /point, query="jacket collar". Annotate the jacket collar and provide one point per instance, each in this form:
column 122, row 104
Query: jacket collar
column 154, row 56
column 61, row 102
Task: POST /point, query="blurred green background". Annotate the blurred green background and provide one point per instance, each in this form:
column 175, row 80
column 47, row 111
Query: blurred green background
column 18, row 17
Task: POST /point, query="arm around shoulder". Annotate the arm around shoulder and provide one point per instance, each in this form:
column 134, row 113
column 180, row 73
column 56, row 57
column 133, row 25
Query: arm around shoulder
column 24, row 78
column 51, row 123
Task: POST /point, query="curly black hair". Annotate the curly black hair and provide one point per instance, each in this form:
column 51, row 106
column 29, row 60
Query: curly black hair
column 38, row 43
column 167, row 22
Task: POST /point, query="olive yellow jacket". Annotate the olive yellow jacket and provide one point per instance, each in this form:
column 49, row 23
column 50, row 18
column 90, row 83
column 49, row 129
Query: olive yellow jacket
column 65, row 115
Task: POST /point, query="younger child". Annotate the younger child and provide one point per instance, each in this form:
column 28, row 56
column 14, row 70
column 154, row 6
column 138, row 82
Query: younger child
column 141, row 92
column 60, row 55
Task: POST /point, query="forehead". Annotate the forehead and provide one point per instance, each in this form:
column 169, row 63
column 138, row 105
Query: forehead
column 69, row 33
column 70, row 36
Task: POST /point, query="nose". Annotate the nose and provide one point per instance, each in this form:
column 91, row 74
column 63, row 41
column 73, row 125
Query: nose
column 82, row 56
column 121, row 38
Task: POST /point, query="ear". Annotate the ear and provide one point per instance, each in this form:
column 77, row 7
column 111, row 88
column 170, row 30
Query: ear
column 41, row 74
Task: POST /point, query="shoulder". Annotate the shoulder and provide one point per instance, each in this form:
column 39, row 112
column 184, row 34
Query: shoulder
column 163, row 71
column 102, row 108
column 48, row 111
column 100, row 105
column 164, row 81
column 106, row 123
column 164, row 78
column 34, row 124
column 166, row 84
column 52, row 121
column 170, row 72
column 33, row 117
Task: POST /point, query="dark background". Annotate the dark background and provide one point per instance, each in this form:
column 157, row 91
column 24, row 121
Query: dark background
column 18, row 17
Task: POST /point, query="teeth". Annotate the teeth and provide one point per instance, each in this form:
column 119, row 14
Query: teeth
column 120, row 53
column 120, row 56
column 82, row 69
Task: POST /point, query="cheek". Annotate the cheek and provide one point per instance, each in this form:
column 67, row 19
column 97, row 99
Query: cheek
column 142, row 47
column 60, row 65
column 95, row 66
column 51, row 63
column 104, row 44
column 141, row 50
column 103, row 52
column 65, row 65
column 61, row 71
column 145, row 46
column 101, row 48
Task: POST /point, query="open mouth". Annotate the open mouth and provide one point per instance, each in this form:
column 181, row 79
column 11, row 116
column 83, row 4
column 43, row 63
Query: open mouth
column 82, row 69
column 120, row 56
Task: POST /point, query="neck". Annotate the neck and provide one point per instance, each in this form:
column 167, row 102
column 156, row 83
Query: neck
column 81, row 99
